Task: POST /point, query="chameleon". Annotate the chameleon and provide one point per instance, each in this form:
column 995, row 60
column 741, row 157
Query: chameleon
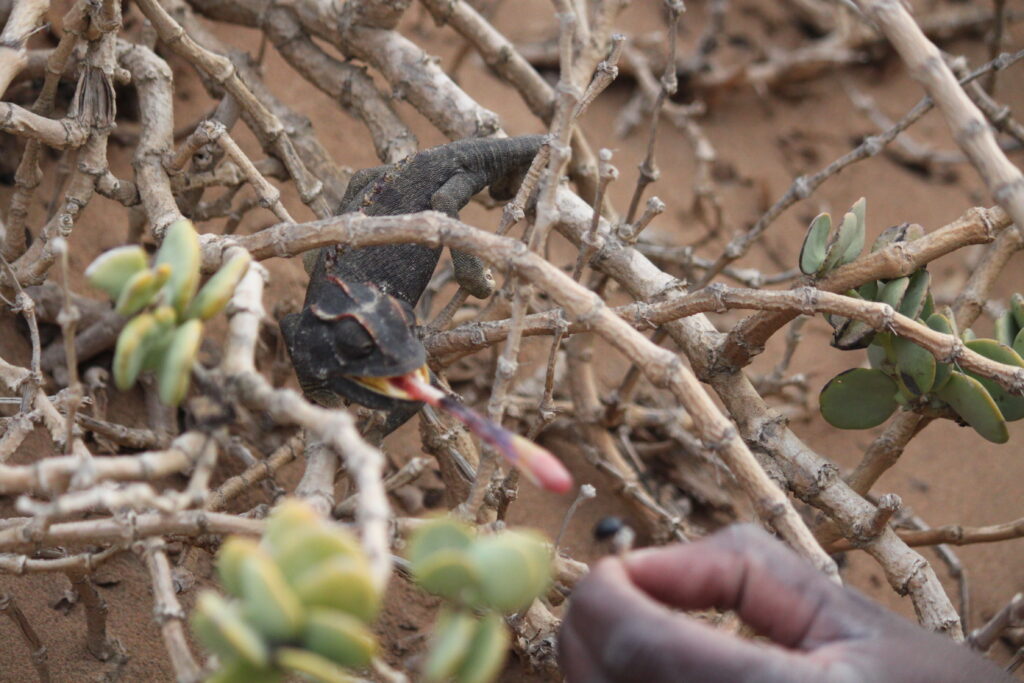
column 357, row 330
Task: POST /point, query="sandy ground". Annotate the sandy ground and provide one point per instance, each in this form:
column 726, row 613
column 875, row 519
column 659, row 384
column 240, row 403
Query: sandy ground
column 948, row 475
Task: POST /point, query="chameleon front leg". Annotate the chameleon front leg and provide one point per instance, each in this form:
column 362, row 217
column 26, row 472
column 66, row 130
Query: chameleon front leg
column 470, row 271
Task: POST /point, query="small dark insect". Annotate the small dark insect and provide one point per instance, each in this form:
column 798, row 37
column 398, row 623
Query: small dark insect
column 606, row 528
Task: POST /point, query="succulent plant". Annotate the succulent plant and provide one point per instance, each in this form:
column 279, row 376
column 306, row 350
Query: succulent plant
column 164, row 334
column 902, row 373
column 482, row 578
column 825, row 250
column 303, row 598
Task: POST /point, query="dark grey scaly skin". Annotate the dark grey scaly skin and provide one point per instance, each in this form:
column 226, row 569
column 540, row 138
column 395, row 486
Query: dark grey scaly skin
column 357, row 319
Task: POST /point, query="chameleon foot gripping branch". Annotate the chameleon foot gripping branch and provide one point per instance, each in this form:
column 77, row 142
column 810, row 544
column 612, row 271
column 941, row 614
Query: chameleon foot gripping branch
column 355, row 336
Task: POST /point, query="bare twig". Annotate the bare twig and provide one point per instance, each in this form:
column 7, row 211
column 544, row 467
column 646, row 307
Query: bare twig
column 95, row 616
column 803, row 186
column 168, row 613
column 37, row 651
column 1013, row 613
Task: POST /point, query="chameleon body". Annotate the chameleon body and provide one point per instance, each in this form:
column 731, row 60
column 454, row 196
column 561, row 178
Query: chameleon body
column 357, row 323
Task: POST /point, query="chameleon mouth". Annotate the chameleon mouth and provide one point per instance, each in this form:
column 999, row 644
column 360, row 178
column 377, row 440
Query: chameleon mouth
column 393, row 387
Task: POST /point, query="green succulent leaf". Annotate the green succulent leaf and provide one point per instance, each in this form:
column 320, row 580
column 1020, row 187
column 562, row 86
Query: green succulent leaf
column 268, row 602
column 175, row 371
column 893, row 291
column 448, row 573
column 112, row 269
column 140, row 289
column 849, row 333
column 217, row 291
column 1011, row 406
column 904, row 396
column 855, row 219
column 928, row 308
column 312, row 666
column 940, row 323
column 869, row 290
column 180, row 250
column 288, row 517
column 449, row 647
column 858, row 399
column 131, row 349
column 166, row 319
column 912, row 303
column 239, row 671
column 1018, row 343
column 846, row 239
column 514, row 569
column 339, row 637
column 968, row 398
column 950, row 317
column 221, row 628
column 341, row 583
column 860, row 210
column 442, row 533
column 487, row 651
column 855, row 334
column 814, row 249
column 1006, row 328
column 879, row 352
column 231, row 557
column 1017, row 308
column 968, row 335
column 305, row 548
column 916, row 366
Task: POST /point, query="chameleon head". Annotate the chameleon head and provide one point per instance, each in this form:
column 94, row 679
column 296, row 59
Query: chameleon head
column 349, row 339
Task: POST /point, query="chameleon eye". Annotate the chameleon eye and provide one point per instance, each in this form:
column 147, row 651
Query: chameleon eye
column 351, row 340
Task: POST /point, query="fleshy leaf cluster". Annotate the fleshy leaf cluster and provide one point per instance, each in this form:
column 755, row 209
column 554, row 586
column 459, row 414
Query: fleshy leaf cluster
column 903, row 373
column 165, row 306
column 302, row 601
column 482, row 578
column 825, row 249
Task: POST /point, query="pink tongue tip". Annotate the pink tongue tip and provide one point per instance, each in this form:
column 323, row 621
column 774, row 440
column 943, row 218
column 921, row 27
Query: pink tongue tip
column 537, row 463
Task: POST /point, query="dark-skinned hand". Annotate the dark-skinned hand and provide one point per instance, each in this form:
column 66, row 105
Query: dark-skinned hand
column 621, row 625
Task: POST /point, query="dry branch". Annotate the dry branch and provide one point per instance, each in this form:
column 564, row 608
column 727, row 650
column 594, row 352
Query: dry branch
column 168, row 613
column 662, row 367
column 951, row 534
column 966, row 122
column 130, row 528
column 21, row 24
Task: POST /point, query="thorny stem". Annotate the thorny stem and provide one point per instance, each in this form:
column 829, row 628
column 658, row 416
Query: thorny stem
column 648, row 170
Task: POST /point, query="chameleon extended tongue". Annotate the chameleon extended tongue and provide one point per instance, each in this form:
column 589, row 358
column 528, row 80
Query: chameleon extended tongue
column 538, row 464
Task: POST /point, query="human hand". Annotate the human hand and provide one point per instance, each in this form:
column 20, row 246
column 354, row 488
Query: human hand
column 618, row 627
